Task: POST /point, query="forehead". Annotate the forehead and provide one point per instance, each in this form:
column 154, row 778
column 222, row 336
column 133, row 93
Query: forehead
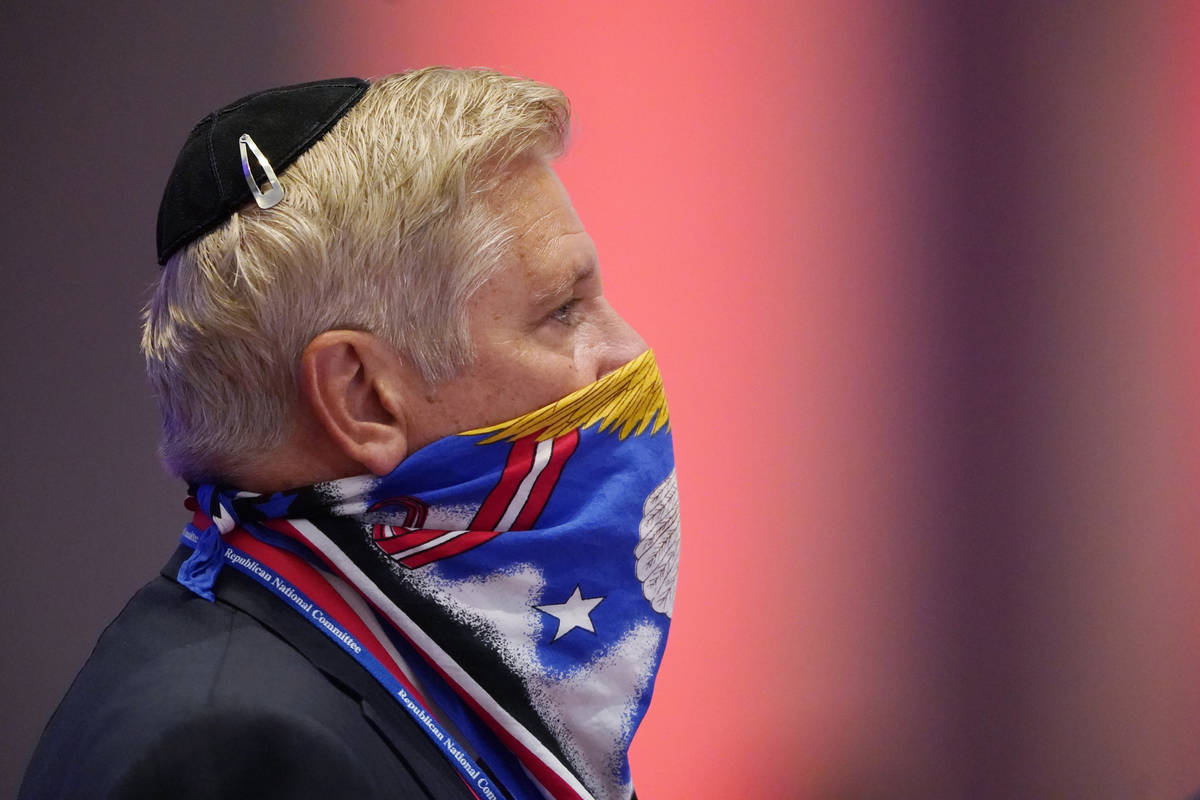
column 549, row 238
column 533, row 200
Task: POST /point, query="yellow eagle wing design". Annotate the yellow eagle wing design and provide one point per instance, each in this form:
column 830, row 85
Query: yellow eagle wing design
column 625, row 401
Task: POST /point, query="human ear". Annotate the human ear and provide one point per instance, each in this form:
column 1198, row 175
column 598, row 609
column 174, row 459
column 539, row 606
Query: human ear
column 353, row 384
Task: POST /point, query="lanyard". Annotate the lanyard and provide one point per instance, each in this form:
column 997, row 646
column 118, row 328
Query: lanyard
column 291, row 596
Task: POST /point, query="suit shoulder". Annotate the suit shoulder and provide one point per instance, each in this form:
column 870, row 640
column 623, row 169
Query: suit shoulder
column 175, row 684
column 226, row 752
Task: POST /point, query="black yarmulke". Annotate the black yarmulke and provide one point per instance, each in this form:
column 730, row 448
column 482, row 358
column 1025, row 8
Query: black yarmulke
column 207, row 185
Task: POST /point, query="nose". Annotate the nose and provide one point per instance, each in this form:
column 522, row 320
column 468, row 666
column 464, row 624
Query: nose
column 617, row 343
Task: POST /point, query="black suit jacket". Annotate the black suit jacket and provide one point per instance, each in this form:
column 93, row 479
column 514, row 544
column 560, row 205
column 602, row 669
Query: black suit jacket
column 183, row 698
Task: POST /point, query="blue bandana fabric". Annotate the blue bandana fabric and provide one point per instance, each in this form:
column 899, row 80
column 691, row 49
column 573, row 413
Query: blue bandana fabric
column 527, row 570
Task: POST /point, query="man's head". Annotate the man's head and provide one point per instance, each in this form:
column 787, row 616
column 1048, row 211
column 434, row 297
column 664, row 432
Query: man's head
column 425, row 273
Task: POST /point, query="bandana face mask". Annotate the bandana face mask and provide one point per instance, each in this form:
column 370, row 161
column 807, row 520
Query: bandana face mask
column 525, row 571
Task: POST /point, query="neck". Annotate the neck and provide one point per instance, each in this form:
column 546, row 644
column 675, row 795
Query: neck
column 306, row 456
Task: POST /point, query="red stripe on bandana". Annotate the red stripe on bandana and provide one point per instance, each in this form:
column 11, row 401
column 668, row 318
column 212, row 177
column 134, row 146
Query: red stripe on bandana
column 459, row 544
column 402, row 539
column 520, row 462
column 563, row 447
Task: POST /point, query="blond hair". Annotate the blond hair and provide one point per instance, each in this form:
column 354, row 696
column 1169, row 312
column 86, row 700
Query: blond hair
column 384, row 227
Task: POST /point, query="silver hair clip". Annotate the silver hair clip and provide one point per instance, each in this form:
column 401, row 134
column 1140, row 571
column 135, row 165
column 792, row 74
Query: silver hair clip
column 275, row 191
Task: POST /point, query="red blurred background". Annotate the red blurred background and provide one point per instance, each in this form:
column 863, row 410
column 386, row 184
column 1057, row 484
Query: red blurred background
column 921, row 278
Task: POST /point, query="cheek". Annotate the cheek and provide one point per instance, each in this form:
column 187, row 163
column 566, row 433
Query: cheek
column 541, row 380
column 521, row 374
column 593, row 354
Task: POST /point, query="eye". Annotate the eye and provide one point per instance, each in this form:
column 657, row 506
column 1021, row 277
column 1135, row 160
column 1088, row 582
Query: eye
column 567, row 313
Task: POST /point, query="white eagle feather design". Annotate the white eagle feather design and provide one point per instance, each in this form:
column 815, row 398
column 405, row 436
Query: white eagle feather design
column 657, row 551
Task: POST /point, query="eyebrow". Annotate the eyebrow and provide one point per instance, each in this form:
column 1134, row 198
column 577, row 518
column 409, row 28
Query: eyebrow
column 565, row 282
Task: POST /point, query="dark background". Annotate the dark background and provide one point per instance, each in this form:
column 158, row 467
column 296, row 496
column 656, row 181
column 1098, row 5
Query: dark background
column 96, row 104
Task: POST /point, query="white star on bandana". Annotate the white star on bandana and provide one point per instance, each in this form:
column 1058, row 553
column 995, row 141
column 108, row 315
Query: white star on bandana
column 574, row 613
